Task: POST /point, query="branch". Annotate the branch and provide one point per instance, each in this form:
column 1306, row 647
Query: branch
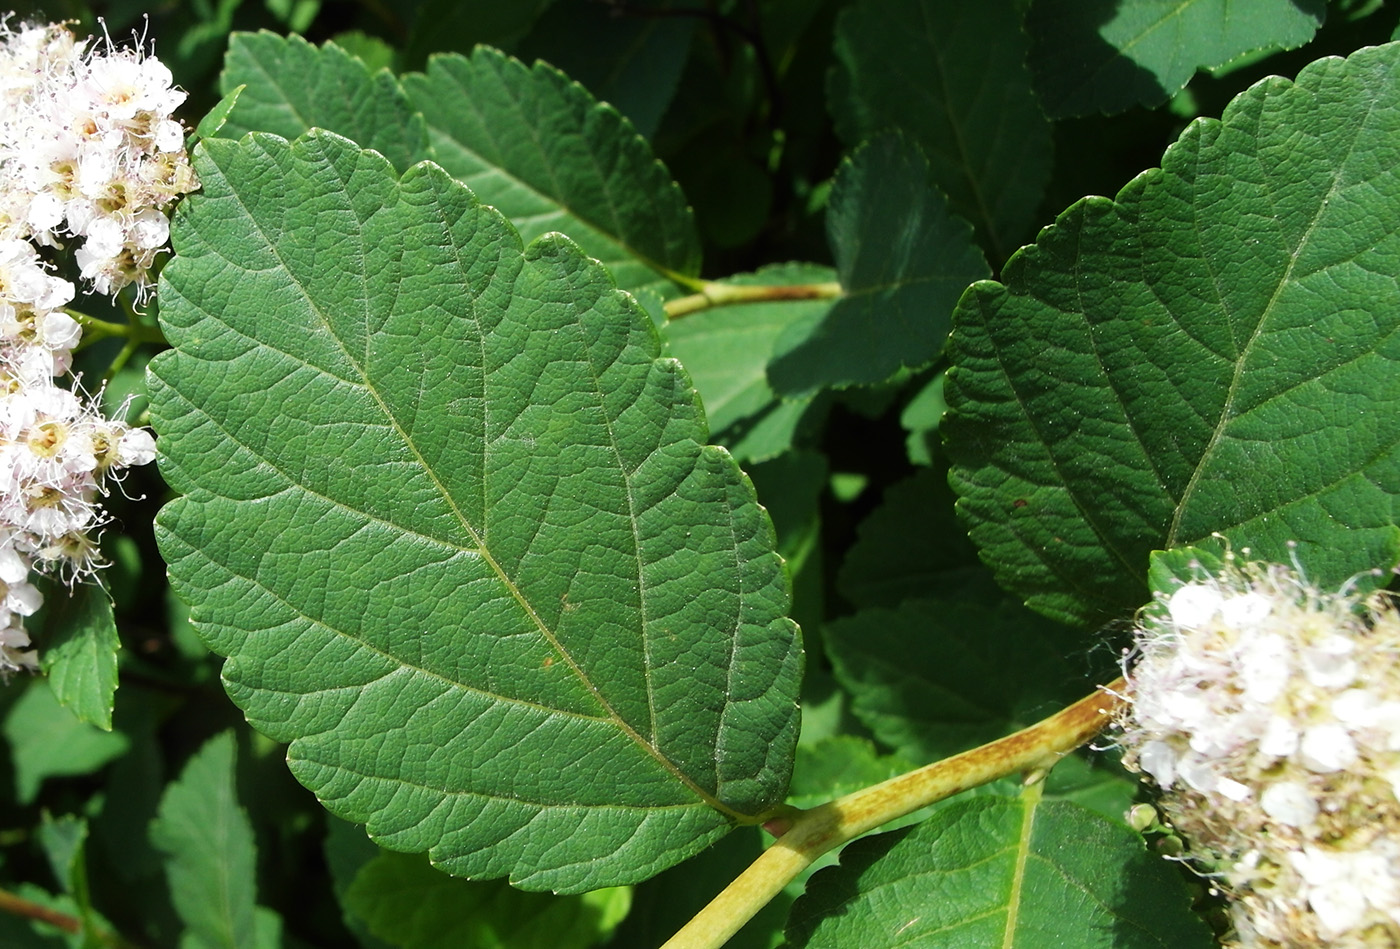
column 814, row 832
column 19, row 906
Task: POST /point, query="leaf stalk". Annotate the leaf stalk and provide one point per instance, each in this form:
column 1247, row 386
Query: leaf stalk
column 714, row 294
column 814, row 832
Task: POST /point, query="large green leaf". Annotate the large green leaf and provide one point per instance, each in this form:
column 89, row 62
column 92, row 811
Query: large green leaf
column 211, row 860
column 954, row 77
column 1208, row 353
column 453, row 522
column 903, row 260
column 550, row 157
column 996, row 871
column 291, row 86
column 1110, row 56
column 408, row 904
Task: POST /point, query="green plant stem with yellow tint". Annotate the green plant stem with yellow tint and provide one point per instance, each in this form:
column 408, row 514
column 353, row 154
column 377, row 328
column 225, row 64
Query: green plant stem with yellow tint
column 806, row 835
column 713, row 294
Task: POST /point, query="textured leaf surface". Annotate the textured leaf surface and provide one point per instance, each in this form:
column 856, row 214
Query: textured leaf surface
column 912, row 545
column 1108, row 57
column 80, row 641
column 936, row 677
column 292, row 86
column 953, row 76
column 409, row 904
column 726, row 349
column 453, row 522
column 47, row 740
column 903, row 261
column 535, row 145
column 211, row 860
column 1206, row 353
column 996, row 871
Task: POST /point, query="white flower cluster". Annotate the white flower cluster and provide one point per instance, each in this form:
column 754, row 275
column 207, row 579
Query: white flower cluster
column 88, row 149
column 88, row 153
column 1269, row 714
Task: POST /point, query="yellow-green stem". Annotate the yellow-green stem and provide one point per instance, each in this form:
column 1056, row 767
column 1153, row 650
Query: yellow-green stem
column 723, row 294
column 814, row 832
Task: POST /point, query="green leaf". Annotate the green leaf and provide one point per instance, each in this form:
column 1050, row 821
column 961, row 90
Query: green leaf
column 726, row 349
column 953, row 76
column 996, row 871
column 63, row 839
column 443, row 25
column 1097, row 782
column 550, row 157
column 47, row 740
column 903, row 260
column 790, row 487
column 133, row 788
column 292, row 86
column 939, row 676
column 409, row 904
column 210, row 855
column 634, row 62
column 921, row 418
column 1204, row 354
column 451, row 506
column 215, row 119
column 773, row 431
column 912, row 545
column 1089, row 58
column 79, row 654
column 346, row 850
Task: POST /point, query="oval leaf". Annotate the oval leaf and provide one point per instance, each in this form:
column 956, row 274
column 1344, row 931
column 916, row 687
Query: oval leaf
column 452, row 520
column 1214, row 351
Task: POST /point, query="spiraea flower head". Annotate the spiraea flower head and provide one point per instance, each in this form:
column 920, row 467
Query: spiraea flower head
column 89, row 150
column 90, row 161
column 1268, row 712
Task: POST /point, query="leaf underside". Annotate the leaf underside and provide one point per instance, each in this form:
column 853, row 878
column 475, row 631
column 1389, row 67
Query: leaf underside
column 1213, row 351
column 453, row 522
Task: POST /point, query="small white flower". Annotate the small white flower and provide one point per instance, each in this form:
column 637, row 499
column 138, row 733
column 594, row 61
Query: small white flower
column 1194, row 604
column 1289, row 803
column 1326, row 748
